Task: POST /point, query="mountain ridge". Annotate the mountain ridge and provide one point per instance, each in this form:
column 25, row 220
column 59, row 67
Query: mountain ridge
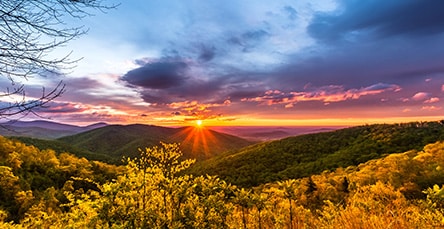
column 125, row 140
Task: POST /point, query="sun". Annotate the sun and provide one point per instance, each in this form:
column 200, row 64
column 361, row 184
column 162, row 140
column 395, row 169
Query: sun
column 199, row 123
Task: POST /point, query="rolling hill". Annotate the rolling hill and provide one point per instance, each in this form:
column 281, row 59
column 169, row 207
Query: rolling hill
column 116, row 141
column 304, row 155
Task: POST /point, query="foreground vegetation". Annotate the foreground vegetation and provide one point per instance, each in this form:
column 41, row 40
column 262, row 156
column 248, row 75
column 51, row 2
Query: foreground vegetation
column 39, row 189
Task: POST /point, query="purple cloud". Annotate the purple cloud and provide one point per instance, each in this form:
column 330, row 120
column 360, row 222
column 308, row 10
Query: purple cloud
column 379, row 19
column 158, row 75
column 421, row 96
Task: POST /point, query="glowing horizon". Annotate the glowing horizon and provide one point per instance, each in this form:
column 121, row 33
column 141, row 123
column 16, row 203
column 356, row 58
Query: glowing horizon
column 279, row 123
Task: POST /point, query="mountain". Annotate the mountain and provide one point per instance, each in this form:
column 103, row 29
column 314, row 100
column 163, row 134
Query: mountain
column 124, row 140
column 43, row 129
column 304, row 155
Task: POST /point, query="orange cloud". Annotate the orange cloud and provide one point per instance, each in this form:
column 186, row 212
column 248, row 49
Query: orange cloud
column 326, row 94
column 432, row 100
column 431, row 108
column 195, row 109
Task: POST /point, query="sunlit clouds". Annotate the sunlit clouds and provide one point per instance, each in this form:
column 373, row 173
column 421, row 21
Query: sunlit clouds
column 326, row 94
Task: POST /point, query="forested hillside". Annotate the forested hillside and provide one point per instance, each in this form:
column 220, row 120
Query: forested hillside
column 301, row 156
column 30, row 177
column 111, row 143
column 118, row 140
column 39, row 189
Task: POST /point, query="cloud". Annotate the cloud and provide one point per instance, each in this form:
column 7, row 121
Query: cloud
column 196, row 109
column 325, row 94
column 63, row 107
column 431, row 108
column 379, row 19
column 187, row 80
column 83, row 83
column 253, row 47
column 432, row 100
column 192, row 89
column 421, row 96
column 355, row 65
column 149, row 97
column 158, row 75
column 380, row 87
column 291, row 12
column 361, row 43
column 249, row 39
column 207, row 53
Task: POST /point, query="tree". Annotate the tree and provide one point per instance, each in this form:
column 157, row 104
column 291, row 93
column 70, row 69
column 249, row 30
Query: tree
column 288, row 188
column 244, row 199
column 30, row 30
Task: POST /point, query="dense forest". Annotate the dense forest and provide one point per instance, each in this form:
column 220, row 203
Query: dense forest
column 44, row 189
column 301, row 156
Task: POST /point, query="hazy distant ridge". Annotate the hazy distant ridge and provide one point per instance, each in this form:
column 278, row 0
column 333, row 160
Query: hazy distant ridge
column 43, row 129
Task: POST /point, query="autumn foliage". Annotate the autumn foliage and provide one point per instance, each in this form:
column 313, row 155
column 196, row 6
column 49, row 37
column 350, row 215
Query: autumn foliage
column 40, row 189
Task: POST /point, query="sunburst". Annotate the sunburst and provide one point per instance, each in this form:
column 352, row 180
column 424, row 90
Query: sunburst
column 198, row 139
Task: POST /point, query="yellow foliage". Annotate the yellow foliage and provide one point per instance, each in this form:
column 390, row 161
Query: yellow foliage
column 152, row 192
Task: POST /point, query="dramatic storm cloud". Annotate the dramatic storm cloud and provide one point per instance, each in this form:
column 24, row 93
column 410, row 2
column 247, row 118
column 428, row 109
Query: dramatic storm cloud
column 260, row 62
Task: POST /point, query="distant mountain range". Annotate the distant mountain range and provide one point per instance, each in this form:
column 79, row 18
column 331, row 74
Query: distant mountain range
column 43, row 129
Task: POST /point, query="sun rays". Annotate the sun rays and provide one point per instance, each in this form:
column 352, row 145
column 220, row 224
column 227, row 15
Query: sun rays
column 198, row 140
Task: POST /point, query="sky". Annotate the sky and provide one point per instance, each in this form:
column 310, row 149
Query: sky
column 258, row 63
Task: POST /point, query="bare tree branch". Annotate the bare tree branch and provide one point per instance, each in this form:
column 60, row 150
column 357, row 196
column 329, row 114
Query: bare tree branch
column 30, row 30
column 24, row 106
